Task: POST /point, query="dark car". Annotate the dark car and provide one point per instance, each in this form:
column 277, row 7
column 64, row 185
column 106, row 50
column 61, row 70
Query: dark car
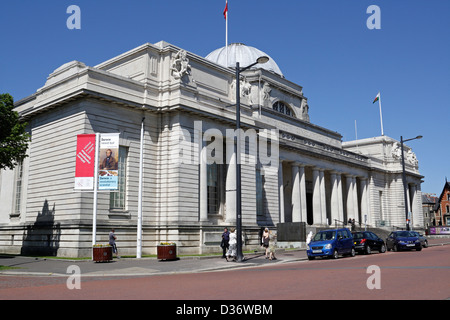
column 366, row 241
column 422, row 238
column 403, row 240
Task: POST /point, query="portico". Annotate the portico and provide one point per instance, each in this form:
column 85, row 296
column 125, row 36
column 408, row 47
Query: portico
column 320, row 196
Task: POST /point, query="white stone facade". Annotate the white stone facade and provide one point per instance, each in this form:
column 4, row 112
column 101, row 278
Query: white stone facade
column 188, row 102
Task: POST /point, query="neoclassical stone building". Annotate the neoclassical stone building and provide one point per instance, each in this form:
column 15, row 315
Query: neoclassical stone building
column 292, row 170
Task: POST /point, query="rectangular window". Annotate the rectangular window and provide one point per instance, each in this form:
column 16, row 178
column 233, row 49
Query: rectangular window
column 213, row 188
column 259, row 193
column 117, row 200
column 380, row 197
column 18, row 188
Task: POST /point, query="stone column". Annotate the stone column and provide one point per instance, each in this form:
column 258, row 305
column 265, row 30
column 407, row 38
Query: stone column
column 296, row 202
column 355, row 198
column 317, row 210
column 303, row 193
column 350, row 206
column 281, row 191
column 365, row 200
column 413, row 204
column 408, row 203
column 203, row 186
column 230, row 184
column 340, row 199
column 417, row 207
column 323, row 197
column 334, row 197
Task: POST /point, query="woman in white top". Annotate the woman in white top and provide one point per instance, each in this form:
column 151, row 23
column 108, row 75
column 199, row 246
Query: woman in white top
column 232, row 245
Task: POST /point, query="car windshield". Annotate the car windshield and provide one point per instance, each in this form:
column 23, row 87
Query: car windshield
column 405, row 234
column 324, row 235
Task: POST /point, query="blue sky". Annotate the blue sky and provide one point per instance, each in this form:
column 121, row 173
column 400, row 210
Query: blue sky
column 324, row 46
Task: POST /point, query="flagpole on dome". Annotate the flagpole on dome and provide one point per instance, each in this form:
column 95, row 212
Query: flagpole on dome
column 225, row 14
column 378, row 98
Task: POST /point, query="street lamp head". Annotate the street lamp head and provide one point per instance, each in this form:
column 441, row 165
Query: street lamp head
column 419, row 137
column 262, row 59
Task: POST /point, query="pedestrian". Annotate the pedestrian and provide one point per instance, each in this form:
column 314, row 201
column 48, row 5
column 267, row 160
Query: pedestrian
column 260, row 233
column 112, row 242
column 308, row 239
column 265, row 241
column 232, row 249
column 272, row 245
column 225, row 242
column 353, row 225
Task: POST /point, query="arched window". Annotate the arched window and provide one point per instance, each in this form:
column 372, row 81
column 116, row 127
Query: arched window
column 283, row 108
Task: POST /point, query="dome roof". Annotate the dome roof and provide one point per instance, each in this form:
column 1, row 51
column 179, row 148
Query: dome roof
column 245, row 55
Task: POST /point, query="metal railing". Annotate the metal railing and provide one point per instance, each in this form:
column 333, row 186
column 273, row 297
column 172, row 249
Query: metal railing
column 352, row 227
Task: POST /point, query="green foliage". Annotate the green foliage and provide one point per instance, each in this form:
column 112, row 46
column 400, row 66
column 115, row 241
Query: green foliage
column 13, row 137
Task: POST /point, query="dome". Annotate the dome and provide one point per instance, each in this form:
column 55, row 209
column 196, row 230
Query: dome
column 245, row 55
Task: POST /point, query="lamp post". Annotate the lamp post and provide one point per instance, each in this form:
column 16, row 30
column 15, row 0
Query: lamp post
column 405, row 186
column 261, row 60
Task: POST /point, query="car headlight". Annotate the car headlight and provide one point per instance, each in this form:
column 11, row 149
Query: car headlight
column 307, row 247
column 328, row 246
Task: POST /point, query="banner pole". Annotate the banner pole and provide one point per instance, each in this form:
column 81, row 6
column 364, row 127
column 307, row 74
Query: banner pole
column 94, row 204
column 139, row 222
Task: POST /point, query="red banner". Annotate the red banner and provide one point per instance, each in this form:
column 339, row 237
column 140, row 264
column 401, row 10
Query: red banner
column 85, row 162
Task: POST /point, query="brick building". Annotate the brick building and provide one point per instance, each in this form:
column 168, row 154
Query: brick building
column 442, row 216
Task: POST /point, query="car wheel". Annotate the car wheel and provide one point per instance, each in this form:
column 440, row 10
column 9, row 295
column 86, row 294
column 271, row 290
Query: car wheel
column 425, row 244
column 395, row 248
column 382, row 248
column 311, row 258
column 419, row 248
column 353, row 252
column 335, row 254
column 368, row 250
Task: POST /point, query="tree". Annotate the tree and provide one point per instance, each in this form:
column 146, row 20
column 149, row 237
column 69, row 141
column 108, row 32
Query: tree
column 13, row 137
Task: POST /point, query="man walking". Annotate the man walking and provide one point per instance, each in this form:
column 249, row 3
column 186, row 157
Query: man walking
column 112, row 242
column 225, row 242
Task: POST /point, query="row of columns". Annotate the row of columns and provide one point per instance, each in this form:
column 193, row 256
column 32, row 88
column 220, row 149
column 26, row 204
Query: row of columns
column 319, row 196
column 298, row 197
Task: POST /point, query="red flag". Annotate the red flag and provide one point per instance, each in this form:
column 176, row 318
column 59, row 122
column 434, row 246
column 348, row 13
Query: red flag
column 225, row 11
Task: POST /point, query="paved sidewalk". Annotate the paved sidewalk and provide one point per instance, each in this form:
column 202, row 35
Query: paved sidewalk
column 139, row 267
column 125, row 267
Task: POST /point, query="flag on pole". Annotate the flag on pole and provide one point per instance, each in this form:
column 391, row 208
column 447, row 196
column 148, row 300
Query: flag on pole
column 376, row 98
column 225, row 11
column 225, row 14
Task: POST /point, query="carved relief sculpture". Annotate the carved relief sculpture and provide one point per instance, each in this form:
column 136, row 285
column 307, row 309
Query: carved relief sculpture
column 396, row 151
column 180, row 65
